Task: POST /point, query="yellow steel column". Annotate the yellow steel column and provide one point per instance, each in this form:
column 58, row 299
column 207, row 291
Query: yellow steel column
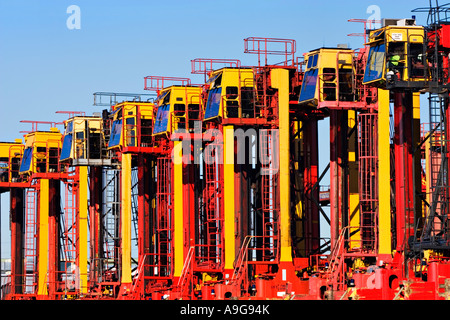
column 43, row 236
column 384, row 175
column 280, row 81
column 83, row 227
column 126, row 217
column 178, row 208
column 354, row 219
column 228, row 191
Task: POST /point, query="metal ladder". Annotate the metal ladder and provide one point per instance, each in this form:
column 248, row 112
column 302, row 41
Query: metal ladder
column 164, row 199
column 111, row 216
column 368, row 178
column 240, row 264
column 213, row 207
column 436, row 228
column 31, row 229
column 186, row 272
column 270, row 209
column 335, row 272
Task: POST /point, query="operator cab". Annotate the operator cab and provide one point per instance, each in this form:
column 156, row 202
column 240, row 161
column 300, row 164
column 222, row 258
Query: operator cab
column 84, row 141
column 397, row 56
column 328, row 80
column 178, row 108
column 10, row 156
column 231, row 94
column 138, row 119
column 42, row 151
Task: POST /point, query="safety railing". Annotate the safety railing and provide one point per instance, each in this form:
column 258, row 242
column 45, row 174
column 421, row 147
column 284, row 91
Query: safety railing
column 247, row 106
column 65, row 286
column 368, row 177
column 266, row 102
column 69, row 221
column 161, row 259
column 349, row 243
column 206, row 66
column 30, row 240
column 186, row 273
column 137, row 131
column 45, row 158
column 18, row 287
column 319, row 262
column 271, row 46
column 156, row 266
column 12, row 171
column 240, row 265
column 335, row 272
column 156, row 83
column 209, row 249
column 363, row 93
column 267, row 243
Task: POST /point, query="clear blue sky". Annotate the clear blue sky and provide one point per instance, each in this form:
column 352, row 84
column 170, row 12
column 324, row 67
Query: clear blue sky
column 45, row 67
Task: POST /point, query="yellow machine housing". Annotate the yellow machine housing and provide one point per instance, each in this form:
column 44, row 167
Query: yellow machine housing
column 84, row 141
column 397, row 57
column 231, row 94
column 42, row 150
column 178, row 107
column 10, row 155
column 328, row 78
column 138, row 117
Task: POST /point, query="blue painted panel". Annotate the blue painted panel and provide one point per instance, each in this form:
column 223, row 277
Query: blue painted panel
column 67, row 146
column 116, row 132
column 213, row 104
column 309, row 85
column 26, row 160
column 162, row 119
column 315, row 59
column 375, row 64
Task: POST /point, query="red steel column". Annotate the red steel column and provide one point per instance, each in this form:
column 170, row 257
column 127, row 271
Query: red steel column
column 95, row 213
column 310, row 174
column 189, row 199
column 17, row 206
column 144, row 212
column 54, row 235
column 404, row 191
column 143, row 207
column 338, row 132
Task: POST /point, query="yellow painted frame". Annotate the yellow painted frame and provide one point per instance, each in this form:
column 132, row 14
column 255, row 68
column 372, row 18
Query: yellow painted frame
column 395, row 34
column 232, row 77
column 45, row 139
column 337, row 58
column 79, row 125
column 128, row 110
column 179, row 95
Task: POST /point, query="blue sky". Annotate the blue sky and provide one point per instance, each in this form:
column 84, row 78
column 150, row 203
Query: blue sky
column 45, row 67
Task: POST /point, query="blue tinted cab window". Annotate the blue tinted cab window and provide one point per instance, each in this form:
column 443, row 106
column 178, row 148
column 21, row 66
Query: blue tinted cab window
column 213, row 104
column 67, row 145
column 309, row 85
column 162, row 119
column 375, row 64
column 115, row 133
column 26, row 160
